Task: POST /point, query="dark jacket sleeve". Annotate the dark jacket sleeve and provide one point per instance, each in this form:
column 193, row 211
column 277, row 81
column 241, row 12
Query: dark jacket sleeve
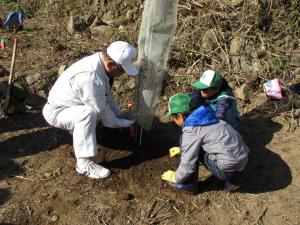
column 197, row 100
column 222, row 106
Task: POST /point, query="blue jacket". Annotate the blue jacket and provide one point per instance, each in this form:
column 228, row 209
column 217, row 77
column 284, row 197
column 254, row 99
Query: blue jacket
column 202, row 116
column 203, row 131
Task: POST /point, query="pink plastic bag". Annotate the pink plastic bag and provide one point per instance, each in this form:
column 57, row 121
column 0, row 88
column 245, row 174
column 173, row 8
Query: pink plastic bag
column 273, row 89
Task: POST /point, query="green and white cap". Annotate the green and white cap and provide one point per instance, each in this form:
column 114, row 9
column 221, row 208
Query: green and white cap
column 208, row 79
column 179, row 103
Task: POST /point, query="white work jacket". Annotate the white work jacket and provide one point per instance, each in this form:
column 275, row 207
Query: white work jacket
column 86, row 83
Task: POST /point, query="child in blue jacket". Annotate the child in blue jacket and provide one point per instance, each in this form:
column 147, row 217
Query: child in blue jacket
column 214, row 90
column 207, row 139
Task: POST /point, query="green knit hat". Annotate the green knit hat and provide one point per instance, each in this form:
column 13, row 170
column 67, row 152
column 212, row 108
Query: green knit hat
column 179, row 103
column 208, row 79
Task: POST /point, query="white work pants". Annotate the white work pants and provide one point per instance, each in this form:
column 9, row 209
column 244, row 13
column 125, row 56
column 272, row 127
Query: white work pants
column 79, row 120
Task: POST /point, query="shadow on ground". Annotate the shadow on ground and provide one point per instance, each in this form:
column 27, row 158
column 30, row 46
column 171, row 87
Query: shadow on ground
column 4, row 195
column 154, row 144
column 22, row 121
column 25, row 142
column 266, row 171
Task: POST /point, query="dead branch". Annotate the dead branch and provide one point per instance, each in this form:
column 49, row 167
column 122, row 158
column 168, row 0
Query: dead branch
column 150, row 209
column 261, row 215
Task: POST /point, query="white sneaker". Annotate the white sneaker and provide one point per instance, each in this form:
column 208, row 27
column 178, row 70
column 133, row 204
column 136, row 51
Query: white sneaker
column 93, row 170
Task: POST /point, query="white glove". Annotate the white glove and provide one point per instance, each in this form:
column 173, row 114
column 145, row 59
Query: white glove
column 125, row 123
column 109, row 119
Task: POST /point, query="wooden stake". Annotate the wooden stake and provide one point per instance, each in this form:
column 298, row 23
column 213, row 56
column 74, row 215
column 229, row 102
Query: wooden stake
column 7, row 99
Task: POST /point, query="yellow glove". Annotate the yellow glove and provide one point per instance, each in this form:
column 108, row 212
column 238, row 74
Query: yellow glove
column 169, row 176
column 174, row 151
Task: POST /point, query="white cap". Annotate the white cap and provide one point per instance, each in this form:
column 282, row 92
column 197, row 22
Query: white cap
column 123, row 53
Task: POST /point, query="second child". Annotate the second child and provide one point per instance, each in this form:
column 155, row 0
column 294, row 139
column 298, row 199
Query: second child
column 214, row 90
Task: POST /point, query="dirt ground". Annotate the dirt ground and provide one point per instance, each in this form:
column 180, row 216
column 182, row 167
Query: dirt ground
column 39, row 185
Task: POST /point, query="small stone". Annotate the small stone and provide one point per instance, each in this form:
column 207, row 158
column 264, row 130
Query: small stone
column 129, row 15
column 47, row 175
column 61, row 69
column 236, row 45
column 232, row 84
column 76, row 36
column 33, row 78
column 117, row 84
column 76, row 24
column 251, row 77
column 131, row 84
column 245, row 64
column 54, row 218
column 208, row 41
column 297, row 113
column 102, row 30
column 234, row 3
column 243, row 92
column 256, row 66
column 42, row 94
column 236, row 62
